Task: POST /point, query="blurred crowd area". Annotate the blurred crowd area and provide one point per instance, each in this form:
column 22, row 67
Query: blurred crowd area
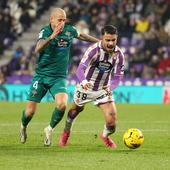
column 143, row 26
column 16, row 16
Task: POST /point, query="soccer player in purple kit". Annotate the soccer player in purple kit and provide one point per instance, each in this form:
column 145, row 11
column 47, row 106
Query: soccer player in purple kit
column 99, row 72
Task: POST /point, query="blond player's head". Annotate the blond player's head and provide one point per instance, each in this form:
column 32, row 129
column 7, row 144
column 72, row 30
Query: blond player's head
column 57, row 16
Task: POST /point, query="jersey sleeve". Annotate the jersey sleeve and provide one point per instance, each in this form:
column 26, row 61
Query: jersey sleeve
column 118, row 71
column 43, row 34
column 74, row 32
column 120, row 65
column 85, row 61
column 80, row 72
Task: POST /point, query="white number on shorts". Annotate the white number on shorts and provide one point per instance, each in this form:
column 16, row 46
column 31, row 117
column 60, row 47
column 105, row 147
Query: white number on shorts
column 35, row 85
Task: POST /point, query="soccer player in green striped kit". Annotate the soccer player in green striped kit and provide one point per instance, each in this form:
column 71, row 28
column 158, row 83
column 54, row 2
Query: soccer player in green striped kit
column 53, row 48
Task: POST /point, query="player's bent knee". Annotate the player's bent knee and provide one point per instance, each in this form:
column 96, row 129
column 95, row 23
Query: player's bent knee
column 74, row 111
column 77, row 108
column 80, row 109
column 62, row 106
column 29, row 112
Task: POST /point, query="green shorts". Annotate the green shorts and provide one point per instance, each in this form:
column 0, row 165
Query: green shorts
column 42, row 84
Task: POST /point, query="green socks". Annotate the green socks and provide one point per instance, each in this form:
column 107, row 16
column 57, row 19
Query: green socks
column 25, row 119
column 56, row 117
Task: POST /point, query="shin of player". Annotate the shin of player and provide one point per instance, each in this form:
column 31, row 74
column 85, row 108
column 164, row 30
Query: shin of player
column 109, row 112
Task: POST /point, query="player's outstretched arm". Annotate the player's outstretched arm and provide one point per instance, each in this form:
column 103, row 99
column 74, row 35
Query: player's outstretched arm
column 86, row 37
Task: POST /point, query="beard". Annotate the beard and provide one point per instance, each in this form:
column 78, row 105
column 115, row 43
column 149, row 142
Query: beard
column 110, row 47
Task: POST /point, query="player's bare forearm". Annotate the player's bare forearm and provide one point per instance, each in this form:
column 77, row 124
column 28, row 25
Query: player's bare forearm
column 86, row 37
column 41, row 44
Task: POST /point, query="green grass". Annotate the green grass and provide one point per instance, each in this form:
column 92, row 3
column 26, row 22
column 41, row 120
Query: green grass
column 85, row 149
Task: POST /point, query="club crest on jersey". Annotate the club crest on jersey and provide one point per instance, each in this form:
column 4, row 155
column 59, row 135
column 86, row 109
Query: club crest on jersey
column 68, row 33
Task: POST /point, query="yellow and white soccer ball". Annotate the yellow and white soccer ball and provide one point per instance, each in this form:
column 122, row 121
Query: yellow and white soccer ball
column 133, row 138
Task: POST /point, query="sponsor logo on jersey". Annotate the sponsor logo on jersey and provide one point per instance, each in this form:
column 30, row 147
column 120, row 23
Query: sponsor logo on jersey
column 104, row 66
column 62, row 43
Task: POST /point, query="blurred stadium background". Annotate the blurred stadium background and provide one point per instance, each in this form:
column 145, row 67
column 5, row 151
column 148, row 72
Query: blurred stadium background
column 144, row 36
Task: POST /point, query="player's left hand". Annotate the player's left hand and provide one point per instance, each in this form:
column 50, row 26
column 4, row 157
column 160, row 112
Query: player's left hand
column 56, row 30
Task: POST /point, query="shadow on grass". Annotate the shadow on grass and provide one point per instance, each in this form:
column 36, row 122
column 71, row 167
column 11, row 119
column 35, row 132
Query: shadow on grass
column 20, row 149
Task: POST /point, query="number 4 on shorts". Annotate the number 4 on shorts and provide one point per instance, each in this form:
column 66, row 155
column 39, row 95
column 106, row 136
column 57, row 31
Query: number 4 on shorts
column 35, row 85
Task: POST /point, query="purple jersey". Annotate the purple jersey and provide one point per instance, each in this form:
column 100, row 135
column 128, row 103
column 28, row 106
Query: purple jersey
column 98, row 66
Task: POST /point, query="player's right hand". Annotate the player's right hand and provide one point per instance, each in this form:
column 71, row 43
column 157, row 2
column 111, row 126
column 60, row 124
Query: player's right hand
column 56, row 31
column 107, row 89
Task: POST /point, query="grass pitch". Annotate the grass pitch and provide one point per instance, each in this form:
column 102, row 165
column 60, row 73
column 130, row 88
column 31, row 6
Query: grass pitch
column 85, row 149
